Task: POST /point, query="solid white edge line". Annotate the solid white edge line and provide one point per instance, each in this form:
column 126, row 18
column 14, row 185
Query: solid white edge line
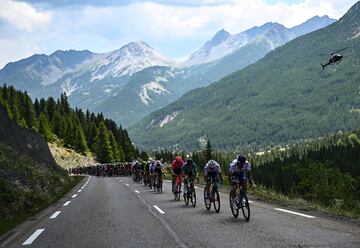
column 33, row 237
column 292, row 212
column 55, row 215
column 66, row 203
column 159, row 209
column 75, row 195
column 136, row 191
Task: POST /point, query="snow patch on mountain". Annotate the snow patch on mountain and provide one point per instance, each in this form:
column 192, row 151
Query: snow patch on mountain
column 151, row 87
column 168, row 118
column 68, row 88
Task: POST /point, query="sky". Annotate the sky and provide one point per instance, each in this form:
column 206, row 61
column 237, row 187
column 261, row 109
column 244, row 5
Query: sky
column 175, row 28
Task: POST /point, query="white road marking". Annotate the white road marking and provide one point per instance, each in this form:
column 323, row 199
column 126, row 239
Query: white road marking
column 168, row 181
column 159, row 209
column 33, row 237
column 55, row 215
column 82, row 187
column 196, row 187
column 121, row 180
column 127, row 184
column 251, row 202
column 66, row 203
column 79, row 191
column 136, row 191
column 75, row 195
column 291, row 212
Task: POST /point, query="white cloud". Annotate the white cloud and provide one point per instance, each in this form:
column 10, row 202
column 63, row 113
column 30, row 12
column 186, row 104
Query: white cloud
column 23, row 15
column 174, row 30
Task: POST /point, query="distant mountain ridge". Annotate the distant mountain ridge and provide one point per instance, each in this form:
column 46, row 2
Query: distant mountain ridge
column 223, row 43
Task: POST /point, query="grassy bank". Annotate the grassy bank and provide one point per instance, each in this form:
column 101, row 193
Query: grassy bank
column 14, row 219
column 28, row 186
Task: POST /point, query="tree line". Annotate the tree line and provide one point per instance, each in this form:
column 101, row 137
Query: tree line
column 76, row 129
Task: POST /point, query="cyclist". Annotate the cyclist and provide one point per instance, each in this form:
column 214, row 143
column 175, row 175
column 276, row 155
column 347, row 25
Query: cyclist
column 151, row 172
column 212, row 172
column 240, row 171
column 176, row 170
column 158, row 170
column 189, row 170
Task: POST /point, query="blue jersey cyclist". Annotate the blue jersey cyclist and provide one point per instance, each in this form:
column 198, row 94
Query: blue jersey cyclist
column 240, row 171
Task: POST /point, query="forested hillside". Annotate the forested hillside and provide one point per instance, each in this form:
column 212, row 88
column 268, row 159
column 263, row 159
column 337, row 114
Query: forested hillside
column 325, row 170
column 82, row 131
column 284, row 97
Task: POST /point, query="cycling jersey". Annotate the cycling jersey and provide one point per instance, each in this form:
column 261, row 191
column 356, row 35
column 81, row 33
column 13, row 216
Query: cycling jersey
column 190, row 170
column 238, row 172
column 212, row 171
column 176, row 165
column 151, row 167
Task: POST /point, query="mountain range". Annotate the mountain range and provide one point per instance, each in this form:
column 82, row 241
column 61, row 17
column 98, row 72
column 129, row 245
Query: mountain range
column 135, row 80
column 284, row 97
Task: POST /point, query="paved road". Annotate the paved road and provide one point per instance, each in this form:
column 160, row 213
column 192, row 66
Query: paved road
column 116, row 212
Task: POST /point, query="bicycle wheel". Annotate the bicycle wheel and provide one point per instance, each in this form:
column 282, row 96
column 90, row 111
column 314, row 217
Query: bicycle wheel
column 233, row 206
column 193, row 198
column 245, row 207
column 177, row 192
column 207, row 200
column 216, row 201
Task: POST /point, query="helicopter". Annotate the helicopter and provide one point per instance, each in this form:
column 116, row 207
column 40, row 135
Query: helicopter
column 335, row 57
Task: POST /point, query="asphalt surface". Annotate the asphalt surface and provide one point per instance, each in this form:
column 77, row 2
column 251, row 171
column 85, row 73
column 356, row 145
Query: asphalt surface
column 117, row 212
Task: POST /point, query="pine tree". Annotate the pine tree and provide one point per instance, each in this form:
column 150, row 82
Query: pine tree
column 29, row 112
column 22, row 123
column 58, row 125
column 44, row 128
column 207, row 151
column 103, row 148
column 114, row 148
column 92, row 136
column 80, row 143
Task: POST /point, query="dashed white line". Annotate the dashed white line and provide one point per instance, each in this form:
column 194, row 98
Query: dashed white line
column 159, row 209
column 79, row 191
column 136, row 191
column 55, row 215
column 66, row 203
column 292, row 212
column 33, row 237
column 75, row 195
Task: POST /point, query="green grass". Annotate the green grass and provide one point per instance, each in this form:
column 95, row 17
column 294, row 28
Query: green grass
column 18, row 217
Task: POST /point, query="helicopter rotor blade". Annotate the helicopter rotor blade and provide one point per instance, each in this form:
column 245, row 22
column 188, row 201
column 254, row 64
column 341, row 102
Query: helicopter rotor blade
column 342, row 50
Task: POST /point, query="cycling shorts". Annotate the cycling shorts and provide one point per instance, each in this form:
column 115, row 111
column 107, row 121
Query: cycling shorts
column 240, row 177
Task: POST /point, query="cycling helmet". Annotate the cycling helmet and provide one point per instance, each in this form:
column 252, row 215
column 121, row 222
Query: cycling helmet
column 212, row 164
column 241, row 158
column 157, row 162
